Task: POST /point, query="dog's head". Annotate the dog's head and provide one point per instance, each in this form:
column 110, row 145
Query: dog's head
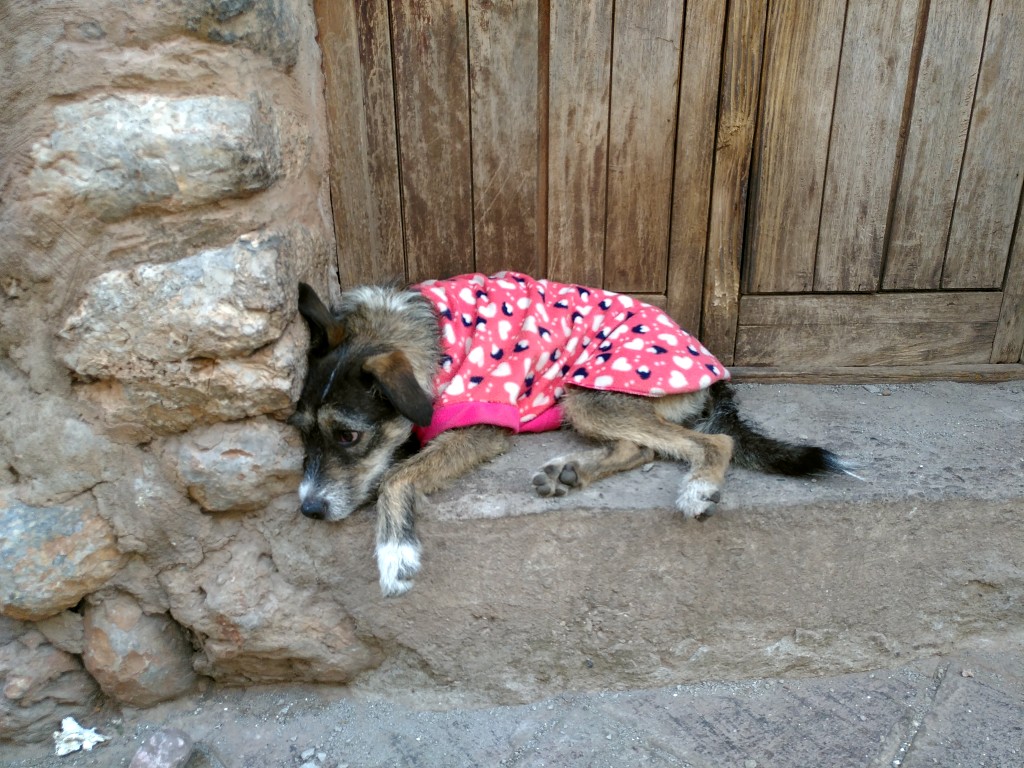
column 367, row 383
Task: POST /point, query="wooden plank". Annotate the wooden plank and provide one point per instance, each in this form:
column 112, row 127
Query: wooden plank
column 879, row 308
column 1009, row 343
column 737, row 115
column 865, row 344
column 876, row 58
column 578, row 99
column 802, row 46
column 695, row 150
column 879, row 329
column 879, row 374
column 432, row 97
column 644, row 99
column 654, row 299
column 356, row 47
column 935, row 143
column 503, row 57
column 993, row 169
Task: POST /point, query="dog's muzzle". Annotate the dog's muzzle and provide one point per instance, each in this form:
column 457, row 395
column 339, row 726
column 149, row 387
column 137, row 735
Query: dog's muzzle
column 314, row 508
column 323, row 502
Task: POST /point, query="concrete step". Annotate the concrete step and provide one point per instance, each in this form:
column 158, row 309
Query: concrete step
column 609, row 589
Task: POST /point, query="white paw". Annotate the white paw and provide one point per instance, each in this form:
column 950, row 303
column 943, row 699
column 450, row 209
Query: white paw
column 397, row 563
column 697, row 499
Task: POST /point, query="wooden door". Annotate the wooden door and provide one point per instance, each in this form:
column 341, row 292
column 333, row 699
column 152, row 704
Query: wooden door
column 827, row 189
column 885, row 190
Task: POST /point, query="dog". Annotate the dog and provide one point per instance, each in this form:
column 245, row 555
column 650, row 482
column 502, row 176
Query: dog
column 456, row 366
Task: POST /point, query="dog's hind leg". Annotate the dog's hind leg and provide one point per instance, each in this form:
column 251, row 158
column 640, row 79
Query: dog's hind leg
column 630, row 420
column 564, row 473
column 445, row 458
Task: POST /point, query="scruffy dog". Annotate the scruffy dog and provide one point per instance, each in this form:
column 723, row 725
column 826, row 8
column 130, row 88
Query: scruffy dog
column 457, row 365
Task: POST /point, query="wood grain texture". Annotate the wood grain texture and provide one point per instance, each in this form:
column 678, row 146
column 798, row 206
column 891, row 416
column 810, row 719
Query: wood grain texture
column 645, row 90
column 993, row 169
column 356, row 46
column 870, row 94
column 737, row 115
column 879, row 374
column 1009, row 343
column 935, row 143
column 865, row 344
column 695, row 151
column 432, row 95
column 802, row 46
column 503, row 58
column 867, row 329
column 579, row 90
column 874, row 308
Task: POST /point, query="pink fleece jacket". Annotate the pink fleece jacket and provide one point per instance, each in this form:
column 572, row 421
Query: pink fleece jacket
column 511, row 344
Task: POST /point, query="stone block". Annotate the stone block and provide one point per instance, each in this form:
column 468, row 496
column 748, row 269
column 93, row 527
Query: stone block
column 52, row 557
column 40, row 685
column 54, row 454
column 219, row 303
column 119, row 154
column 208, row 338
column 173, row 397
column 238, row 466
column 255, row 626
column 137, row 658
column 269, row 27
column 63, row 631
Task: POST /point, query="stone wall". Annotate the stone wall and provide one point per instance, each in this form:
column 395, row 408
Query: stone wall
column 163, row 187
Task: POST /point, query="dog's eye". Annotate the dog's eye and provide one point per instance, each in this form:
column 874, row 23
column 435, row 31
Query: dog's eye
column 347, row 437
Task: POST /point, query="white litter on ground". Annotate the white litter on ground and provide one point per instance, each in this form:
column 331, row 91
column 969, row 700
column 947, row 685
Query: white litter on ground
column 72, row 737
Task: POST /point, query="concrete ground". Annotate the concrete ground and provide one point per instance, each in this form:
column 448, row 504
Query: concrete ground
column 837, row 622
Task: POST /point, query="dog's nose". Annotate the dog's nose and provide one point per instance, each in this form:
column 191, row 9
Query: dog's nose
column 314, row 508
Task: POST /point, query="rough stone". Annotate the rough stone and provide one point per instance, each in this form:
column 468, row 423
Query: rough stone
column 219, row 303
column 254, row 626
column 64, row 631
column 166, row 748
column 266, row 26
column 172, row 397
column 52, row 557
column 238, row 466
column 52, row 451
column 137, row 658
column 208, row 338
column 40, row 685
column 117, row 155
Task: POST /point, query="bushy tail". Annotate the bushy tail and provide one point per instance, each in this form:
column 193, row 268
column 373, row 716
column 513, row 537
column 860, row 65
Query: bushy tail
column 754, row 450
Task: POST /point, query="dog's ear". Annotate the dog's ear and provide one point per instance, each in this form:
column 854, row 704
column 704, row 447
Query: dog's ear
column 395, row 377
column 325, row 333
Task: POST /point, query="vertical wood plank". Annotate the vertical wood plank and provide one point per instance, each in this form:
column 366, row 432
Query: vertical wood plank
column 503, row 55
column 990, row 183
column 737, row 116
column 1009, row 343
column 802, row 46
column 432, row 96
column 935, row 143
column 876, row 58
column 645, row 89
column 703, row 33
column 579, row 92
column 356, row 46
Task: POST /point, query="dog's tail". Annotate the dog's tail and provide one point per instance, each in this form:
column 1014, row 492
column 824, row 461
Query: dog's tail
column 755, row 450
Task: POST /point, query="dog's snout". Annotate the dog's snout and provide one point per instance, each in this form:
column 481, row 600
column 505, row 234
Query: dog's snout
column 315, row 508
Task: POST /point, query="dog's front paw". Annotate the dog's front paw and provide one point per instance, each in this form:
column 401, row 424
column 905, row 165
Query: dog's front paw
column 397, row 562
column 697, row 499
column 557, row 477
